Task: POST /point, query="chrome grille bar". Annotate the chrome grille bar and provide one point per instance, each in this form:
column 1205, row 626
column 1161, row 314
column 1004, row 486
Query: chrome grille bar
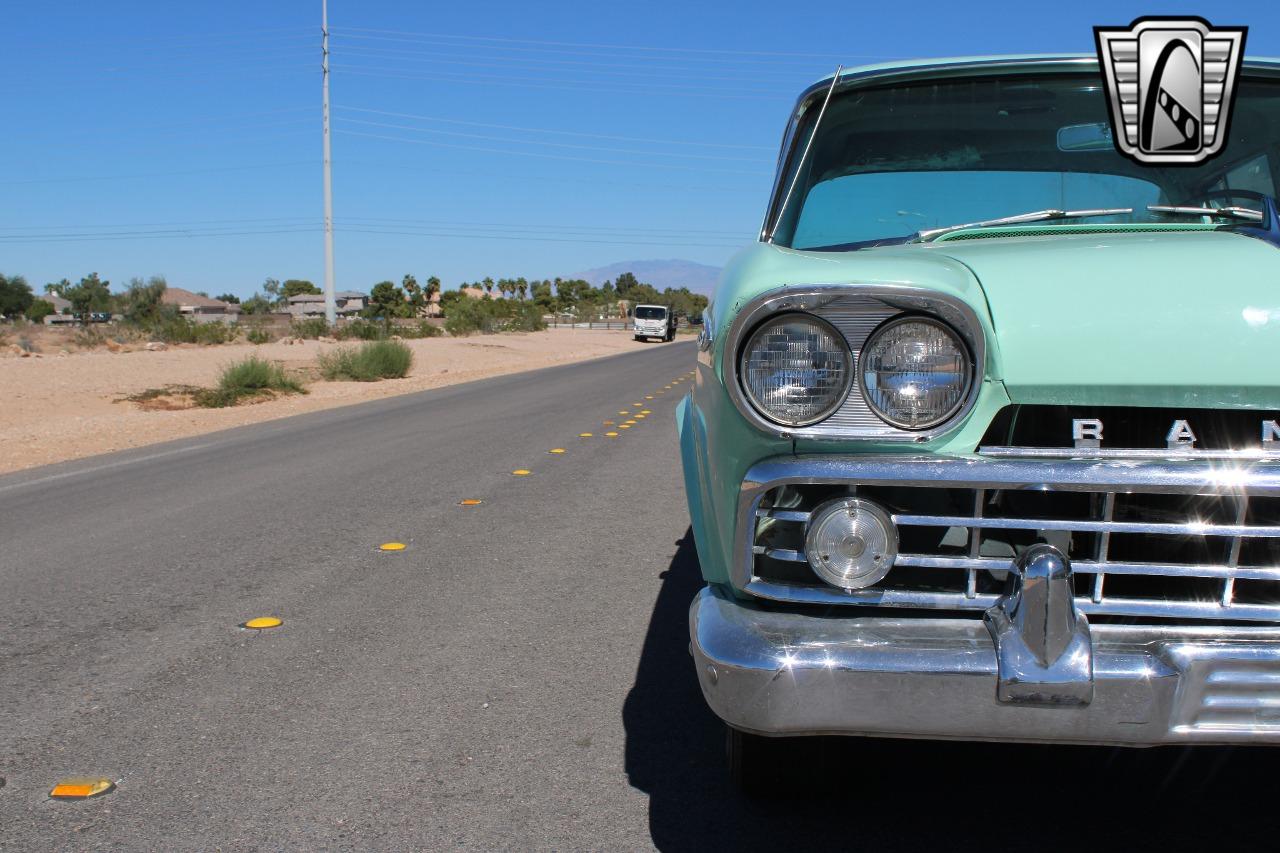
column 1207, row 484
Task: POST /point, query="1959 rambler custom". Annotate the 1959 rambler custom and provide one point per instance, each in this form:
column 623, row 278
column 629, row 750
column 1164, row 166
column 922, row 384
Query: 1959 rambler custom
column 985, row 438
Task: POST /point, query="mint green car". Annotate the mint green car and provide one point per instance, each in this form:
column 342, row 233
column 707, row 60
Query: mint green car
column 985, row 438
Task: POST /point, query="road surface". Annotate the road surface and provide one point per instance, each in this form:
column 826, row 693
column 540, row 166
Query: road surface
column 516, row 678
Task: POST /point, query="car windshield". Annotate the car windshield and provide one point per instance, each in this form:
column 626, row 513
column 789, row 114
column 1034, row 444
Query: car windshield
column 650, row 312
column 890, row 162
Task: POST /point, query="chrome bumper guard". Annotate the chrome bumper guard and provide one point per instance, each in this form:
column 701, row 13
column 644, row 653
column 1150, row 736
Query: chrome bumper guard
column 785, row 672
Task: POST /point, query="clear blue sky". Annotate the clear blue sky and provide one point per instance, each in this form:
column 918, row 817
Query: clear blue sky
column 470, row 139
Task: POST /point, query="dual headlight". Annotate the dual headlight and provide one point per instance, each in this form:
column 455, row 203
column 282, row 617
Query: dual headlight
column 914, row 372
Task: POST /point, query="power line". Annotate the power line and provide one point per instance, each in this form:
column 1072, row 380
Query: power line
column 483, row 79
column 551, row 227
column 714, row 157
column 477, row 148
column 648, row 48
column 628, row 70
column 159, row 174
column 559, row 132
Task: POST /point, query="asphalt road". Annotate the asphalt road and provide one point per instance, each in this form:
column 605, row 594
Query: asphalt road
column 516, row 678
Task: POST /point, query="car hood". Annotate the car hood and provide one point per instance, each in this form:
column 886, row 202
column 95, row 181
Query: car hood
column 1178, row 319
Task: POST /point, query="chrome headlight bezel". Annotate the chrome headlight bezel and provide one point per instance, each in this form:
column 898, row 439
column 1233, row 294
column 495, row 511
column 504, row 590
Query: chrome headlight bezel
column 960, row 344
column 856, row 309
column 846, row 367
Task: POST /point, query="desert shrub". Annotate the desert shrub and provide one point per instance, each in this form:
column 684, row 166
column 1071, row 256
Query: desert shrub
column 257, row 335
column 251, row 377
column 363, row 330
column 313, row 327
column 38, row 310
column 215, row 333
column 25, row 344
column 489, row 316
column 89, row 337
column 372, row 361
column 422, row 329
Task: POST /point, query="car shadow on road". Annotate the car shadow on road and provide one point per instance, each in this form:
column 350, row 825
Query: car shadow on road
column 854, row 793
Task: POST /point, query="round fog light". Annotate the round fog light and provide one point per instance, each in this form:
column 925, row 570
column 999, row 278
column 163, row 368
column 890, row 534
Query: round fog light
column 851, row 543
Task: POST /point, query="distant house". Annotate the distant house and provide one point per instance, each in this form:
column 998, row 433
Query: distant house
column 201, row 309
column 349, row 303
column 61, row 309
column 476, row 292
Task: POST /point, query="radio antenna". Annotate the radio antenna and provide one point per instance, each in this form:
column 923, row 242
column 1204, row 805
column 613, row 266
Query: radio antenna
column 805, row 154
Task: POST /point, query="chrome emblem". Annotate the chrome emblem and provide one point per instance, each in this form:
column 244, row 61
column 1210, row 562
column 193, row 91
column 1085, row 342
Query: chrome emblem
column 1087, row 433
column 1170, row 82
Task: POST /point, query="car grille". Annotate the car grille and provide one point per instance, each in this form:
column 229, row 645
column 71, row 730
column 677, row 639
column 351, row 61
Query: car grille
column 1164, row 539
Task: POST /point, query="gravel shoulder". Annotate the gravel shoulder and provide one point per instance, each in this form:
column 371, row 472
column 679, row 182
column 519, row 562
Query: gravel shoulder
column 57, row 408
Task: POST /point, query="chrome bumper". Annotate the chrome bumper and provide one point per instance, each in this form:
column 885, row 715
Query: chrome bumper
column 785, row 672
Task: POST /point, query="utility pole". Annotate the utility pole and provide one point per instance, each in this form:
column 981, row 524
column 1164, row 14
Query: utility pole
column 330, row 305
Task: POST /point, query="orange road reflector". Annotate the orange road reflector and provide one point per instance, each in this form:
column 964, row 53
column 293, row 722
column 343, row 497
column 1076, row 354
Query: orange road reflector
column 470, row 502
column 584, row 435
column 81, row 789
column 260, row 622
column 556, row 450
column 521, row 472
column 392, row 546
column 611, row 434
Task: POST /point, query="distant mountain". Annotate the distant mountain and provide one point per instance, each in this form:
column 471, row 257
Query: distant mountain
column 699, row 278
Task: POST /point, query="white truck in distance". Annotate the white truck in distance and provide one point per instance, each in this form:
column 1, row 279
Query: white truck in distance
column 654, row 321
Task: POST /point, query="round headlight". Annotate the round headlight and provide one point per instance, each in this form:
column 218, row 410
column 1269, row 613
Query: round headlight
column 851, row 543
column 915, row 372
column 796, row 369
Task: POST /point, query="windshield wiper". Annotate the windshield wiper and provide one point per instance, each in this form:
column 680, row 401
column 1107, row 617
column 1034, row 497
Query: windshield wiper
column 1240, row 214
column 1034, row 216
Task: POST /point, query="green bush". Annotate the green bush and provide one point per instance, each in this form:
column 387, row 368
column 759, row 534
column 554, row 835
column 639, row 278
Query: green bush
column 176, row 329
column 370, row 362
column 313, row 327
column 248, row 378
column 363, row 330
column 257, row 335
column 423, row 329
column 489, row 316
column 38, row 310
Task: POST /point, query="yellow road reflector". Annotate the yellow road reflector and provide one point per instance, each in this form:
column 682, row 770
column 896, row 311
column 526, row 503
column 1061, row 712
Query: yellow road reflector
column 584, row 435
column 628, row 423
column 624, row 412
column 470, row 502
column 260, row 622
column 624, row 426
column 648, row 396
column 392, row 546
column 637, row 405
column 640, row 417
column 645, row 412
column 666, row 387
column 611, row 434
column 556, row 450
column 608, row 423
column 522, row 472
column 80, row 789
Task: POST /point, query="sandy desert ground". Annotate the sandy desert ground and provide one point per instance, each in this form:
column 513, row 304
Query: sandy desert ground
column 60, row 407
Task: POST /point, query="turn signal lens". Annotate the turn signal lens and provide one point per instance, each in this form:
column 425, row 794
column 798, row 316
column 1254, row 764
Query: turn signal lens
column 851, row 543
column 796, row 369
column 915, row 373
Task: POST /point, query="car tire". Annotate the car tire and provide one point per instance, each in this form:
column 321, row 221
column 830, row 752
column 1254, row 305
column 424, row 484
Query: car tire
column 638, row 338
column 752, row 761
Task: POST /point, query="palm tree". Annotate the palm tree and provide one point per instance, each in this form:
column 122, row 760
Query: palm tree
column 523, row 287
column 488, row 285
